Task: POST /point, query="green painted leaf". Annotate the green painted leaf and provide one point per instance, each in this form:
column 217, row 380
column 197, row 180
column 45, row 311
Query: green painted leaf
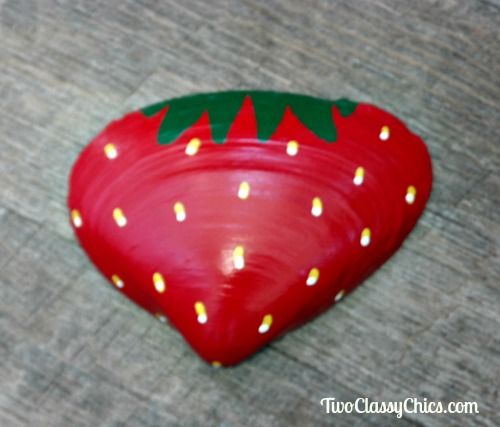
column 269, row 107
column 346, row 106
column 151, row 110
column 222, row 112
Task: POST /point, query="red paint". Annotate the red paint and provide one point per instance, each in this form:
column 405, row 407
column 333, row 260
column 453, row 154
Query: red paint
column 282, row 240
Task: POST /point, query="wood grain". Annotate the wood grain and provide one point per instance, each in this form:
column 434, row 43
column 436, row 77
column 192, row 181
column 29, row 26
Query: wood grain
column 73, row 352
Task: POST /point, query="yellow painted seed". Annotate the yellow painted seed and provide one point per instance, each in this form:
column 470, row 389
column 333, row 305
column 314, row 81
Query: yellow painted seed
column 159, row 282
column 385, row 133
column 317, row 207
column 161, row 317
column 339, row 296
column 76, row 218
column 292, row 148
column 110, row 151
column 200, row 310
column 267, row 321
column 119, row 217
column 366, row 235
column 239, row 257
column 244, row 190
column 312, row 277
column 180, row 211
column 411, row 194
column 117, row 281
column 359, row 176
column 193, row 146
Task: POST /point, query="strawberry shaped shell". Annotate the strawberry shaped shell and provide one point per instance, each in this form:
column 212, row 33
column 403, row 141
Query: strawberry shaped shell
column 239, row 216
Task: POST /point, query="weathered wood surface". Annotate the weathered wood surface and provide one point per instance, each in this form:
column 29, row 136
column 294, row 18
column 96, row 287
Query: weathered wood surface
column 75, row 353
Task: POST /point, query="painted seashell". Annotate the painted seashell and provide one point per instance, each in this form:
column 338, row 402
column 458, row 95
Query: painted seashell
column 239, row 216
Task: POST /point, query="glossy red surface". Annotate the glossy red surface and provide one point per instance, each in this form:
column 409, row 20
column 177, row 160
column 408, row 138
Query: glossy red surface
column 282, row 236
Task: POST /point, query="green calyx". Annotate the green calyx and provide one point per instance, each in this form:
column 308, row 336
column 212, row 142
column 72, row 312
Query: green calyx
column 222, row 108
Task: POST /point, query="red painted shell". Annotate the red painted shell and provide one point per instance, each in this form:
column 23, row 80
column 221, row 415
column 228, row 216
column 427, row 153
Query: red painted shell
column 239, row 242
